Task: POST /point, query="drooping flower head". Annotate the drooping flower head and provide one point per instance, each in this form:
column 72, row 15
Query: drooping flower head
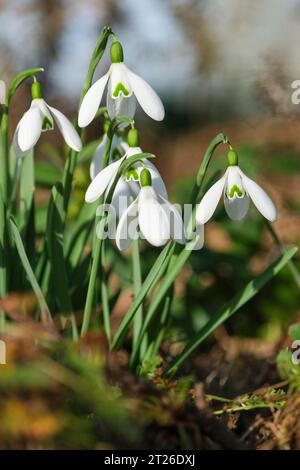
column 238, row 190
column 127, row 185
column 2, row 92
column 123, row 89
column 157, row 219
column 40, row 118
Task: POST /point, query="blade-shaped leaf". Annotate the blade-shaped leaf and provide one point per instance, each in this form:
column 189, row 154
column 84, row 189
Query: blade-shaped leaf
column 163, row 291
column 238, row 301
column 151, row 279
column 59, row 278
column 19, row 79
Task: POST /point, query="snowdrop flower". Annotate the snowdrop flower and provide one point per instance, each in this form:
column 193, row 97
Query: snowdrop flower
column 127, row 185
column 123, row 88
column 238, row 190
column 157, row 219
column 40, row 118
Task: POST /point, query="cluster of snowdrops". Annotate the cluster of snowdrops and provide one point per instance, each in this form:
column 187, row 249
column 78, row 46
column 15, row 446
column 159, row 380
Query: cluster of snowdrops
column 65, row 276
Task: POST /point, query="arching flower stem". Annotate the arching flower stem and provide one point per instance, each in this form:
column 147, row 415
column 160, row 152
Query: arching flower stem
column 97, row 244
column 72, row 156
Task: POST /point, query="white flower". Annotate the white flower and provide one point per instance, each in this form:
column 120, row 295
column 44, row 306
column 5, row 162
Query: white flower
column 123, row 88
column 103, row 180
column 238, row 190
column 39, row 118
column 157, row 219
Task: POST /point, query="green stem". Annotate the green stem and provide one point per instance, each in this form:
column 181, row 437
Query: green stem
column 74, row 328
column 291, row 265
column 137, row 283
column 96, row 255
column 105, row 298
column 4, row 155
column 181, row 253
column 219, row 139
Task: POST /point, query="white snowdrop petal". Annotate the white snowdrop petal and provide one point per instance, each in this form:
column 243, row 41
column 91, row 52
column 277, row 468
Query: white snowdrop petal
column 91, row 101
column 209, row 202
column 146, row 96
column 153, row 219
column 30, row 128
column 127, row 226
column 260, row 198
column 237, row 207
column 102, row 181
column 69, row 133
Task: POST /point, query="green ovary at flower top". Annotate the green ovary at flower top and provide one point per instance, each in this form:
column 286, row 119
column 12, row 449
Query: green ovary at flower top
column 123, row 88
column 40, row 118
column 238, row 190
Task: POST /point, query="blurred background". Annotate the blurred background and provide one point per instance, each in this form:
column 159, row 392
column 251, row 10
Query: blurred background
column 219, row 66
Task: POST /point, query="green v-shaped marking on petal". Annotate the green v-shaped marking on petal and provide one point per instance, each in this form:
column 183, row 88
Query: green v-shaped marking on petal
column 131, row 174
column 120, row 89
column 235, row 189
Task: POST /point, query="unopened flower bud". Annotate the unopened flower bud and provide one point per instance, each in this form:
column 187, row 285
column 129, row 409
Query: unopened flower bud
column 133, row 138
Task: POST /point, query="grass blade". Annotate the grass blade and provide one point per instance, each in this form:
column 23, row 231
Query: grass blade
column 137, row 284
column 105, row 297
column 238, row 301
column 162, row 292
column 151, row 279
column 3, row 261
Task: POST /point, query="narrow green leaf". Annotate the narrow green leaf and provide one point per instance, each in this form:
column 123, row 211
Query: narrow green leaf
column 163, row 291
column 30, row 274
column 137, row 284
column 55, row 225
column 80, row 233
column 219, row 139
column 26, row 213
column 3, row 256
column 88, row 150
column 238, row 301
column 105, row 297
